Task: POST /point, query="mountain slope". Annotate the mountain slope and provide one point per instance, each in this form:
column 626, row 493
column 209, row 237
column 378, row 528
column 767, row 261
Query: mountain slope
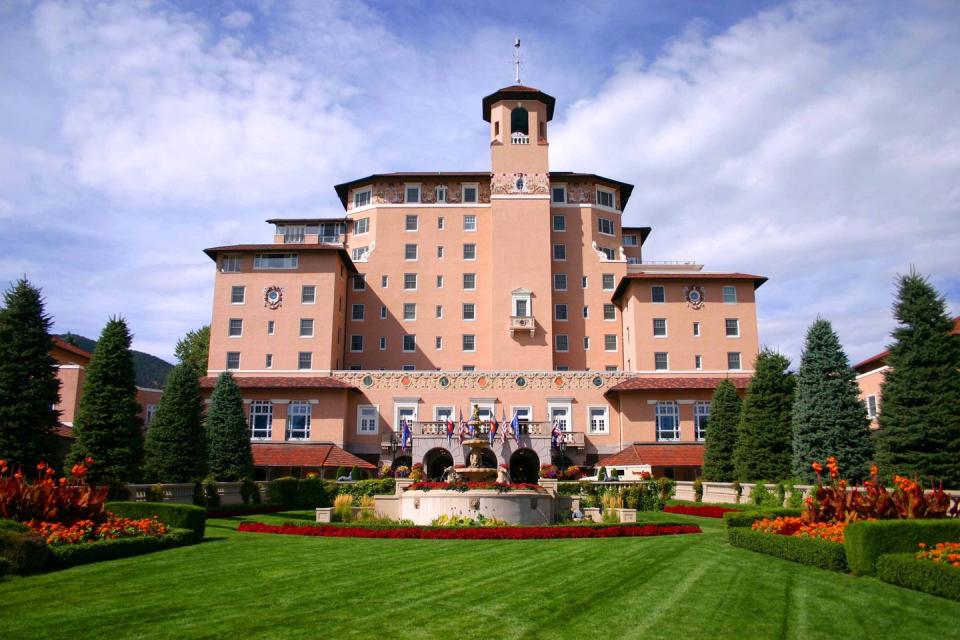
column 151, row 371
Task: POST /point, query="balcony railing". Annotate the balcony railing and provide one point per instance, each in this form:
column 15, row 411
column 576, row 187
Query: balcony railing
column 519, row 138
column 522, row 323
column 437, row 429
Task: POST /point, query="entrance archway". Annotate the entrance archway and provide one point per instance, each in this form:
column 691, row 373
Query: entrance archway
column 435, row 462
column 524, row 466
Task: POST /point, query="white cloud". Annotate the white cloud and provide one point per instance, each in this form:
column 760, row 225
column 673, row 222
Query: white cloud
column 238, row 20
column 816, row 143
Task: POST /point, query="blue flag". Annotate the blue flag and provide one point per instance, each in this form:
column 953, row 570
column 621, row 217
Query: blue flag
column 515, row 426
column 404, row 434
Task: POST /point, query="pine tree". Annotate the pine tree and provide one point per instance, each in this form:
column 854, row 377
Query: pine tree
column 764, row 435
column 176, row 449
column 829, row 418
column 721, row 441
column 193, row 348
column 919, row 423
column 107, row 426
column 230, row 456
column 29, row 387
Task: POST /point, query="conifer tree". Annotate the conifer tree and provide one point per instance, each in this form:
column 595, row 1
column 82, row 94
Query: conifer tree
column 721, row 441
column 193, row 348
column 829, row 418
column 919, row 422
column 228, row 437
column 764, row 435
column 176, row 449
column 29, row 387
column 107, row 426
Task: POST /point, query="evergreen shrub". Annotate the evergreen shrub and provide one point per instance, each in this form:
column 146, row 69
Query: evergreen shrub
column 904, row 570
column 866, row 541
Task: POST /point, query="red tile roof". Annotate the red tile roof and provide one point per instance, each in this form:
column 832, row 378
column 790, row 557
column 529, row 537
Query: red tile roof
column 690, row 275
column 66, row 346
column 320, row 454
column 519, row 92
column 649, row 383
column 281, row 382
column 212, row 252
column 657, row 455
column 64, row 431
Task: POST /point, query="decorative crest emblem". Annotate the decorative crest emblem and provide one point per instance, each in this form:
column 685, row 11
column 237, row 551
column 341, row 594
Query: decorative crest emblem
column 694, row 296
column 273, row 297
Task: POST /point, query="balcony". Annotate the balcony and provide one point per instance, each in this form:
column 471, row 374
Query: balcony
column 522, row 323
column 438, row 429
column 519, row 138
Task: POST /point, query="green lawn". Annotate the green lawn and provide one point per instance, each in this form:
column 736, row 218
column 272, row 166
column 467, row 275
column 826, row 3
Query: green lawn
column 241, row 585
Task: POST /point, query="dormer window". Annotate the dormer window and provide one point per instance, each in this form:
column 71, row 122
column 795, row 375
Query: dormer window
column 441, row 195
column 469, row 193
column 412, row 193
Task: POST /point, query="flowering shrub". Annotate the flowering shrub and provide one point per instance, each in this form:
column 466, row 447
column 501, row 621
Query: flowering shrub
column 386, row 471
column 464, row 486
column 573, row 473
column 703, row 512
column 445, row 520
column 416, row 472
column 549, row 471
column 836, row 502
column 48, row 500
column 947, row 553
column 471, row 533
column 787, row 526
column 56, row 533
column 401, row 472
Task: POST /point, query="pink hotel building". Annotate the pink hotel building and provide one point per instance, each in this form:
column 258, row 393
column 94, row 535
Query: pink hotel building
column 515, row 291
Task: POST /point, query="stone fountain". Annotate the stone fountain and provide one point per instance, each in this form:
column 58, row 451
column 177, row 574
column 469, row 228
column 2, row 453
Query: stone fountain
column 476, row 471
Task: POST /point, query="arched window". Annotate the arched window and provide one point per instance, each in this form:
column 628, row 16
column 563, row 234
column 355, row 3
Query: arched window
column 520, row 121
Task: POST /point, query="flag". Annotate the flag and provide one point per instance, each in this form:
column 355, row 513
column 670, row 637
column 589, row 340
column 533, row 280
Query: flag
column 449, row 431
column 555, row 434
column 503, row 427
column 463, row 428
column 515, row 426
column 404, row 434
column 492, row 434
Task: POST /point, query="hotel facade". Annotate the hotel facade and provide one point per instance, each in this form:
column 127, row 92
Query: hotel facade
column 439, row 296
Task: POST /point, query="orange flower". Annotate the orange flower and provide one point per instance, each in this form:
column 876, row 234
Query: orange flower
column 41, row 466
column 873, row 471
column 18, row 475
column 816, row 466
column 88, row 460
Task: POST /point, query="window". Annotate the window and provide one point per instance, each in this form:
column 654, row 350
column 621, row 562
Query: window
column 469, row 252
column 559, row 252
column 668, row 421
column 598, row 418
column 383, row 312
column 408, row 367
column 271, row 325
column 305, row 360
column 583, row 281
column 469, row 281
column 356, row 367
column 440, row 218
column 701, row 416
column 306, row 327
column 521, row 305
column 469, row 311
column 658, row 294
column 660, row 327
column 696, row 329
column 409, row 311
column 411, row 223
column 261, row 420
column 438, row 343
column 733, row 327
column 560, row 282
column 356, row 343
column 468, row 367
column 586, row 311
column 293, row 233
column 230, row 264
column 275, row 261
column 608, row 281
column 298, row 420
column 630, row 240
column 438, row 313
column 470, row 222
column 605, row 198
column 559, row 223
column 586, row 343
column 560, row 312
column 661, row 361
column 359, row 254
column 609, row 312
column 729, row 294
column 238, row 294
column 409, row 252
column 368, row 418
column 605, row 226
column 412, row 194
column 610, row 342
column 563, row 342
column 357, row 312
column 410, row 281
column 610, row 367
column 608, row 253
column 469, row 342
column 560, row 415
column 872, row 407
column 469, row 193
column 440, row 251
column 308, row 294
column 698, row 362
column 268, row 361
column 233, row 359
column 733, row 360
column 559, row 194
column 410, row 342
column 383, row 343
column 361, row 226
column 359, row 282
column 235, row 329
column 441, row 198
column 439, row 282
column 361, row 197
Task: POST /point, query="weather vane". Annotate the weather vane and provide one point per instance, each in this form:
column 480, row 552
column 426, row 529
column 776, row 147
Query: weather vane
column 516, row 59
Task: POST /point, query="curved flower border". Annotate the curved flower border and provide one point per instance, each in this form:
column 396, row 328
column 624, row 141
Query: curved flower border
column 471, row 533
column 705, row 511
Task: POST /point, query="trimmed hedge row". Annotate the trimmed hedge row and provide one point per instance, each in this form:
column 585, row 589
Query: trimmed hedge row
column 177, row 516
column 866, row 541
column 4, row 567
column 24, row 552
column 309, row 493
column 747, row 518
column 71, row 555
column 811, row 551
column 904, row 570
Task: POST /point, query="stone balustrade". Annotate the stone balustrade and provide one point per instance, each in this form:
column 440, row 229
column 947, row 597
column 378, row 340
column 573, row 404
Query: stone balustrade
column 230, row 492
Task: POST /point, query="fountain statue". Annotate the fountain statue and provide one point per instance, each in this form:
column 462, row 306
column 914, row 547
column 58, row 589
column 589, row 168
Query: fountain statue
column 476, row 471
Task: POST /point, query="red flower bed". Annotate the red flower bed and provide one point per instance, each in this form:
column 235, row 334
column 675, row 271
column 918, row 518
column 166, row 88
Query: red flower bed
column 86, row 530
column 705, row 511
column 463, row 486
column 49, row 500
column 470, row 533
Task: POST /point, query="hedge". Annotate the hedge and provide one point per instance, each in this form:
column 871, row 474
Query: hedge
column 812, row 551
column 26, row 552
column 747, row 518
column 4, row 567
column 904, row 570
column 866, row 541
column 178, row 516
column 309, row 493
column 71, row 555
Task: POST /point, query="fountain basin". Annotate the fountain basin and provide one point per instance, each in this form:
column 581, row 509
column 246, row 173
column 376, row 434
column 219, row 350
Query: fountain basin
column 525, row 507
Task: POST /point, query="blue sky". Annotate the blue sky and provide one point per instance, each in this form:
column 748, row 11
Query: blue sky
column 817, row 143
